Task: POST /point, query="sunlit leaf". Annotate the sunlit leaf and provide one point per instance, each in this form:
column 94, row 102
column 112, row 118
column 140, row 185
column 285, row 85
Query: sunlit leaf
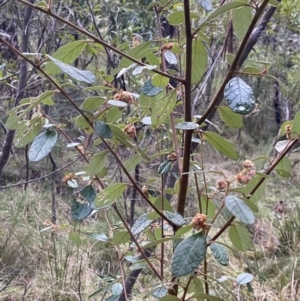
column 97, row 163
column 170, row 57
column 224, row 8
column 230, row 118
column 222, row 145
column 239, row 236
column 241, row 19
column 66, row 54
column 110, row 194
column 92, row 103
column 284, row 167
column 199, row 60
column 187, row 126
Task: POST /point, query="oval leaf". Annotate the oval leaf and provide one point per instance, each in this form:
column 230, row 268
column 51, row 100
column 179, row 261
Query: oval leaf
column 176, row 218
column 244, row 278
column 170, row 57
column 284, row 167
column 219, row 253
column 141, row 224
column 199, row 60
column 239, row 209
column 159, row 81
column 188, row 255
column 239, row 96
column 230, row 118
column 164, row 167
column 239, row 236
column 97, row 163
column 103, row 130
column 42, row 145
column 222, row 145
column 80, row 75
column 116, row 288
column 206, row 4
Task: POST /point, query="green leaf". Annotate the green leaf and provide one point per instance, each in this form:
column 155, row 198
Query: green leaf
column 206, row 297
column 152, row 59
column 230, row 118
column 296, row 126
column 42, row 145
column 137, row 53
column 251, row 205
column 183, row 230
column 162, row 205
column 239, row 209
column 241, row 19
column 176, row 17
column 126, row 140
column 219, row 253
column 198, row 285
column 284, row 167
column 239, row 236
column 199, row 60
column 239, row 96
column 224, row 8
column 187, row 126
column 222, row 145
column 164, row 167
column 141, row 224
column 159, row 81
column 92, row 103
column 206, row 4
column 66, row 54
column 188, row 255
column 210, row 209
column 114, row 115
column 27, row 133
column 82, row 123
column 150, row 90
column 176, row 218
column 97, row 163
column 120, row 238
column 160, row 241
column 79, row 75
column 75, row 239
column 110, row 194
column 244, row 278
column 103, row 130
column 169, row 298
column 162, row 108
column 133, row 161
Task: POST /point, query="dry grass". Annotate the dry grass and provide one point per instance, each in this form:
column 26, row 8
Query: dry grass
column 37, row 265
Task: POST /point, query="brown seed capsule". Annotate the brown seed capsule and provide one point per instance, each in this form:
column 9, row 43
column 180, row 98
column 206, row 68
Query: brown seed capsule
column 288, row 129
column 221, row 185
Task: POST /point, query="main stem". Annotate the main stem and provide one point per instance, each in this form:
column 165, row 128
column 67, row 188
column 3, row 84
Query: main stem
column 184, row 178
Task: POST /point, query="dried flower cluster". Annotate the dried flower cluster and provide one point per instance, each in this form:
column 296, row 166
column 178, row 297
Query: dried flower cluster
column 199, row 221
column 168, row 46
column 130, row 131
column 247, row 173
column 172, row 157
column 125, row 97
